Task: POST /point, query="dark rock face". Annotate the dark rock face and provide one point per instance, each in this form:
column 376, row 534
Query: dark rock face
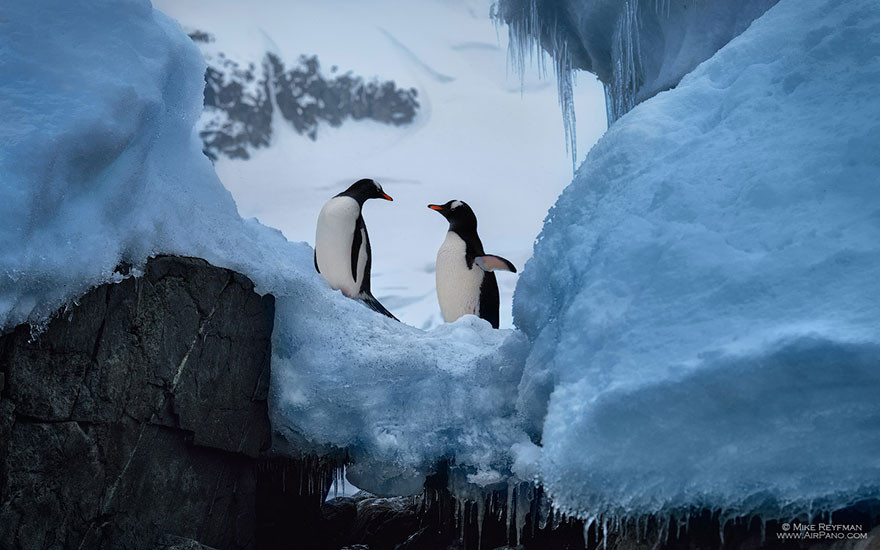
column 136, row 419
column 305, row 97
column 239, row 100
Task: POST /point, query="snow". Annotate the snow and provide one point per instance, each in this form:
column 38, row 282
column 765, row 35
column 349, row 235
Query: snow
column 475, row 117
column 398, row 398
column 702, row 300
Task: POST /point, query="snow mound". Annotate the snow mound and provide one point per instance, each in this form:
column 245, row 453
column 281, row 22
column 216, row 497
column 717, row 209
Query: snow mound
column 101, row 165
column 702, row 301
column 398, row 398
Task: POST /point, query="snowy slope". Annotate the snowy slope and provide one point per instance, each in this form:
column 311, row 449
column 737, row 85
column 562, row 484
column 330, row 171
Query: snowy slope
column 703, row 300
column 479, row 135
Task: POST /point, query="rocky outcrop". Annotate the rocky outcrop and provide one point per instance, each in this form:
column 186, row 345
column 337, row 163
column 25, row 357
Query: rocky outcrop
column 239, row 106
column 138, row 418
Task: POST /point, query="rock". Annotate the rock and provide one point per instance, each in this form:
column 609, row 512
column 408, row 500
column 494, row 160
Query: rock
column 169, row 542
column 138, row 414
column 383, row 523
column 239, row 107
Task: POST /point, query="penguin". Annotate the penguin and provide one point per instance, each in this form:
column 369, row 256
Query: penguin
column 342, row 245
column 465, row 280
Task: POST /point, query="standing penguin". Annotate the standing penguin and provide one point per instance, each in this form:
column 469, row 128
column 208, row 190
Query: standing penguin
column 465, row 282
column 342, row 246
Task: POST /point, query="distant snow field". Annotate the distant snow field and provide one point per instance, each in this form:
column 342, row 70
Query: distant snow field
column 482, row 134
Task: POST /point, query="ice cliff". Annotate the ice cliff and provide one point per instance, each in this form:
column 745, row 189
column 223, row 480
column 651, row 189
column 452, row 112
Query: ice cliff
column 703, row 300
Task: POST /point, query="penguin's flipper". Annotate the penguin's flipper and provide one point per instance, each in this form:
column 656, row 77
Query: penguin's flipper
column 373, row 303
column 318, row 269
column 490, row 262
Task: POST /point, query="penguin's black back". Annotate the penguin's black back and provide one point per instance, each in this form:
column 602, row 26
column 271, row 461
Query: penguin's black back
column 489, row 302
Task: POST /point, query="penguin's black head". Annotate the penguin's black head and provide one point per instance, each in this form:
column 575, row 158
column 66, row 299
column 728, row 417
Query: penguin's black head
column 365, row 189
column 458, row 213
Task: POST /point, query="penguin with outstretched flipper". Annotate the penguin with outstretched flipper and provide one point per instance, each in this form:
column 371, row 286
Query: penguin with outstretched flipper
column 465, row 280
column 342, row 245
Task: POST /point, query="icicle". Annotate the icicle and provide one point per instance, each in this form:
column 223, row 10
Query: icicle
column 604, row 533
column 481, row 511
column 511, row 487
column 463, row 520
column 523, row 503
column 627, row 63
column 763, row 530
column 661, row 528
column 666, row 529
column 587, row 524
column 526, row 31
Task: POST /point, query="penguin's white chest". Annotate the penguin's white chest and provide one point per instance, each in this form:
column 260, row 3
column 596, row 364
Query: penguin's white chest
column 333, row 239
column 458, row 287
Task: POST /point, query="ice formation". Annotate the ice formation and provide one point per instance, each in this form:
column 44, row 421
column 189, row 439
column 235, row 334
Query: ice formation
column 637, row 48
column 702, row 303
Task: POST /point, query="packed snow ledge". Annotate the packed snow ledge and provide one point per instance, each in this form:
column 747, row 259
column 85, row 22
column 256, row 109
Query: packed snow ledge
column 698, row 326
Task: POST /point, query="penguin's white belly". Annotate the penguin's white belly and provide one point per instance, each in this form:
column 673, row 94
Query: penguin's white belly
column 333, row 239
column 458, row 288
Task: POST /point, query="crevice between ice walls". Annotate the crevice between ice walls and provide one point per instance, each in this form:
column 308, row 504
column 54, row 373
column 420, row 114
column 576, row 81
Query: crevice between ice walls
column 637, row 48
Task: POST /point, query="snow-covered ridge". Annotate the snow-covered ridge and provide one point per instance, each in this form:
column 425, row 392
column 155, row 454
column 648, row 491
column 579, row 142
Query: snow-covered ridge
column 637, row 48
column 242, row 99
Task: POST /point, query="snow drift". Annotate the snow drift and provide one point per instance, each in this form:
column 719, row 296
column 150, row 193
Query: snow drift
column 703, row 300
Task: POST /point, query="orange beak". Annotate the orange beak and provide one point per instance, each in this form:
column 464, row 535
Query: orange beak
column 436, row 207
column 387, row 197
